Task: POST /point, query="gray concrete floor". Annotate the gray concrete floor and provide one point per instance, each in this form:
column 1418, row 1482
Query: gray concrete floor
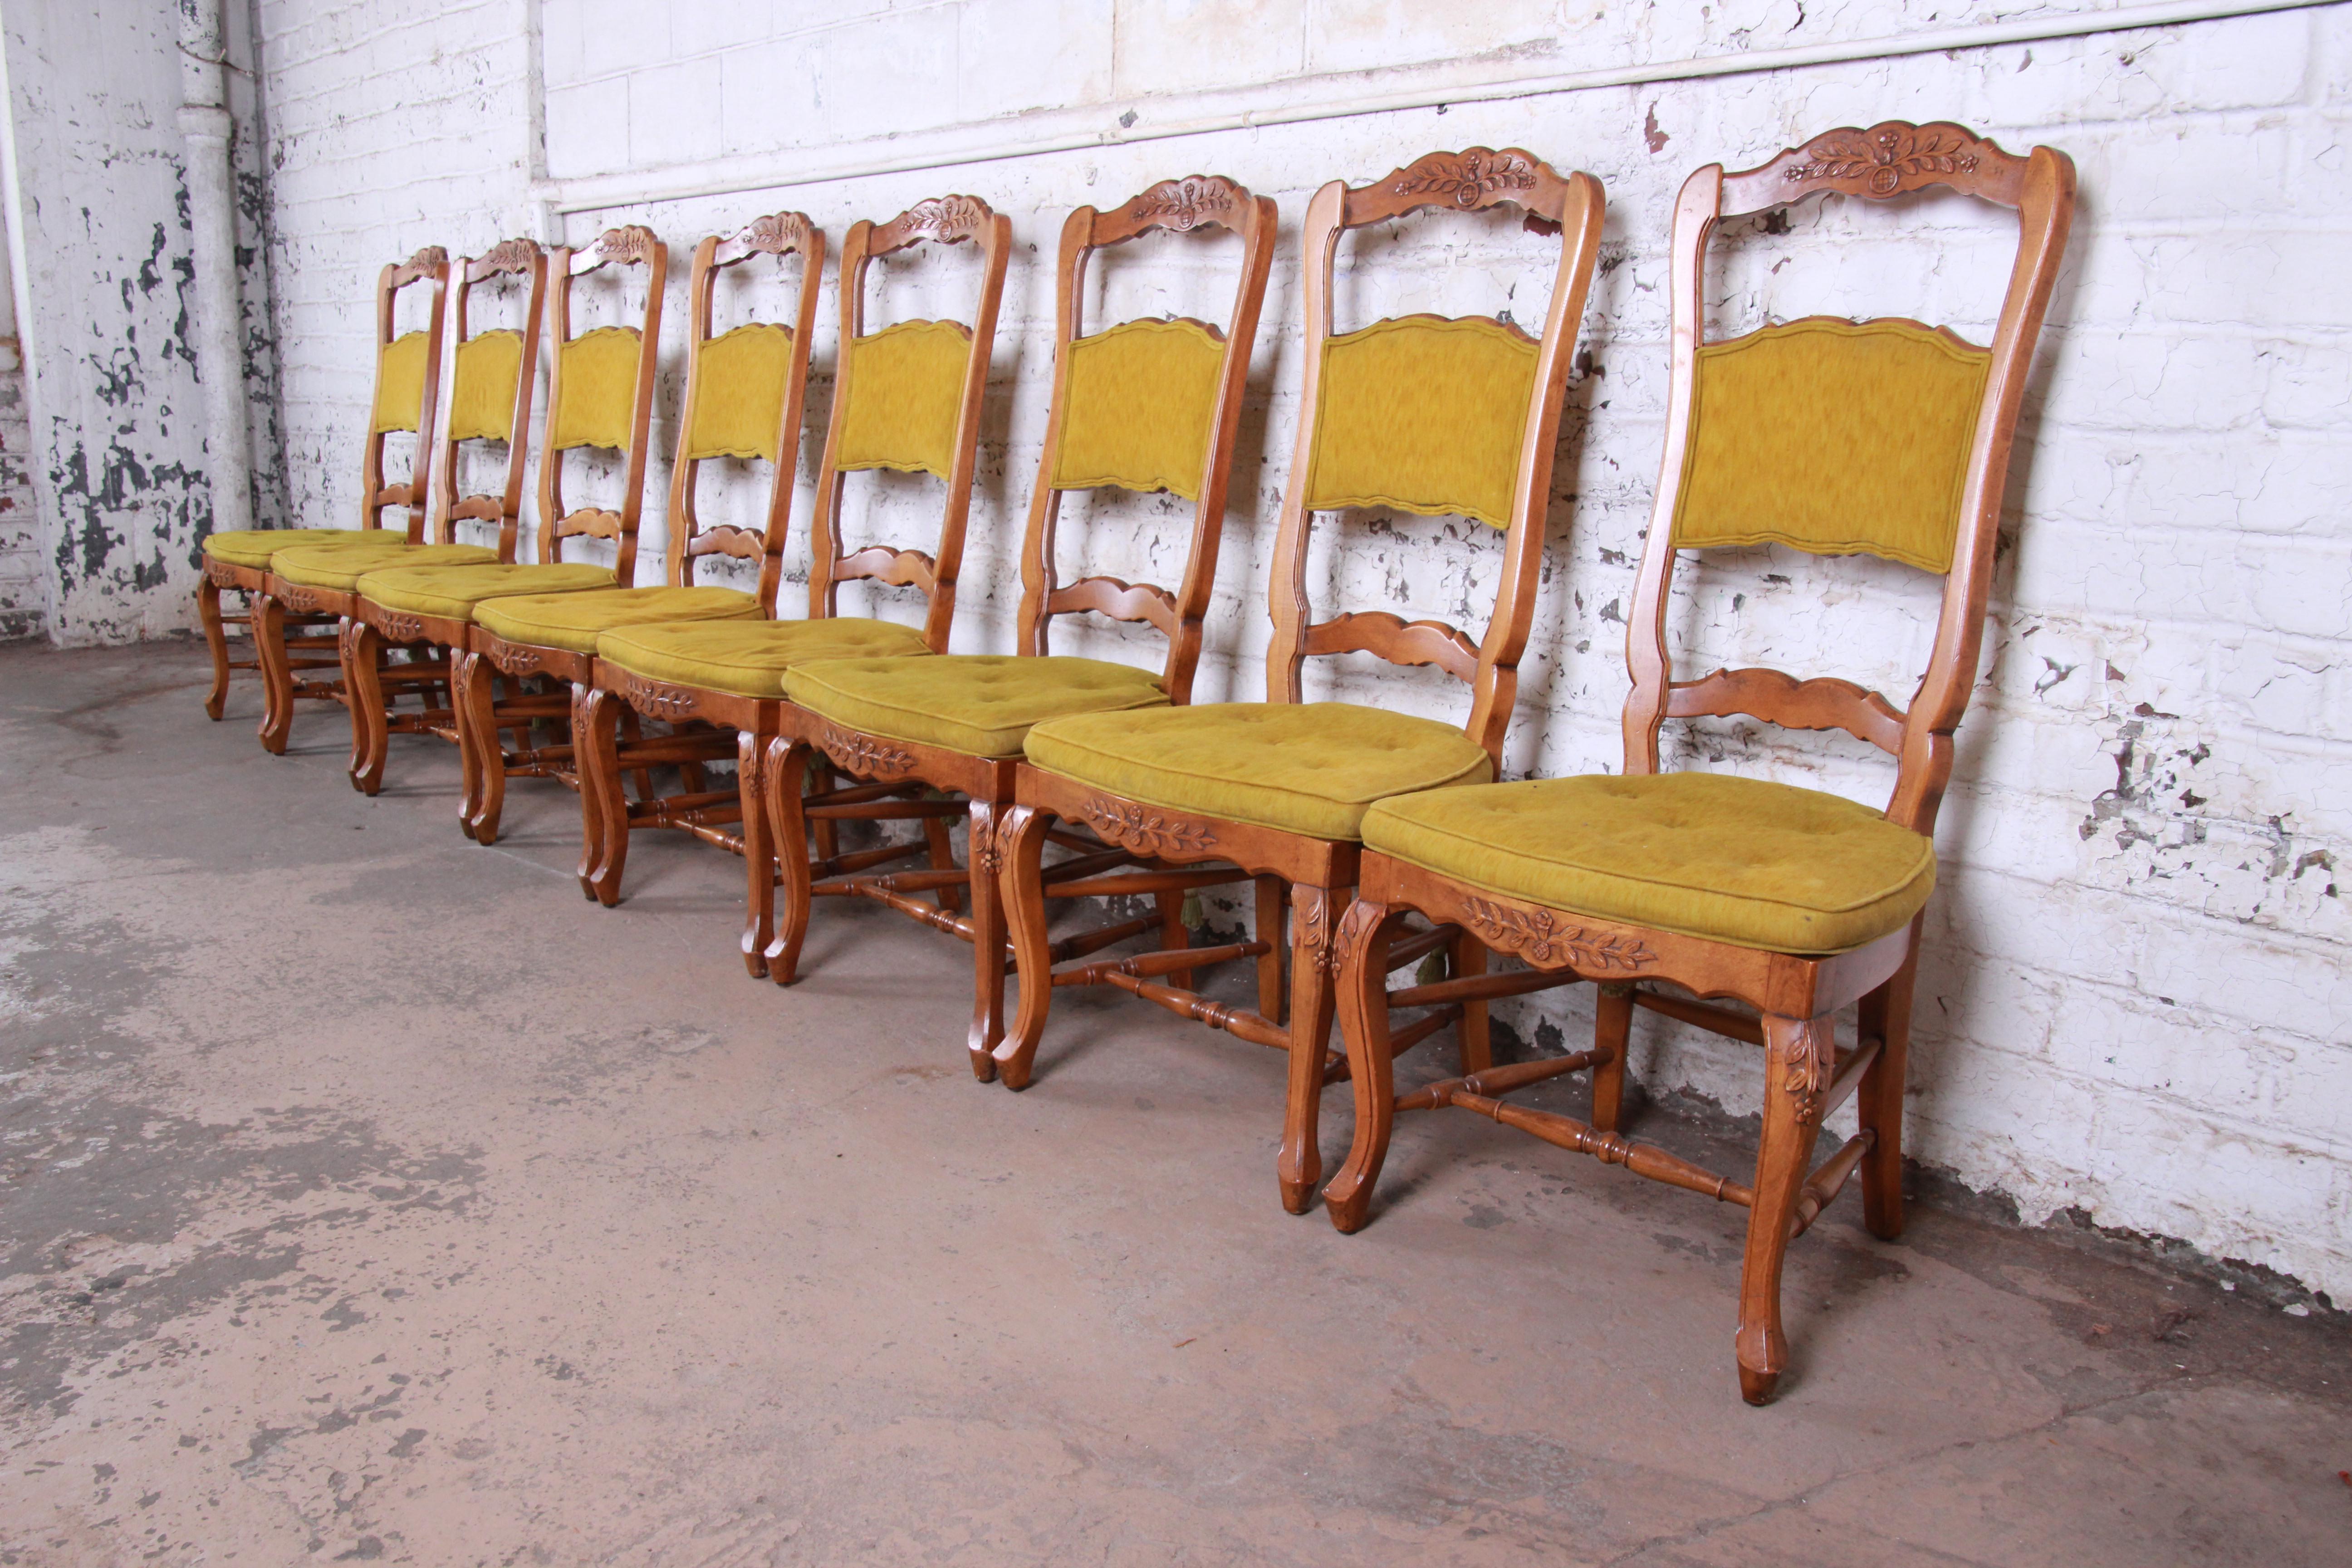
column 366, row 1195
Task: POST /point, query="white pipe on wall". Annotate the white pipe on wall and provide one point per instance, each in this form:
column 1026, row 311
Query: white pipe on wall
column 212, row 212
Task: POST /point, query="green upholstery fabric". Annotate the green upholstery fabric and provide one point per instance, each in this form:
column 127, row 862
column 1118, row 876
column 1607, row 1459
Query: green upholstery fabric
column 573, row 621
column 749, row 659
column 1737, row 860
column 252, row 547
column 1309, row 768
column 980, row 704
column 1891, row 407
column 452, row 592
column 339, row 567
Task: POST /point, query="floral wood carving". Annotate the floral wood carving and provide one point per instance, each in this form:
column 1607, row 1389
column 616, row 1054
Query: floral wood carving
column 296, row 597
column 506, row 255
column 657, row 700
column 948, row 219
column 219, row 573
column 1537, row 936
column 427, row 261
column 1180, row 205
column 1806, row 1078
column 778, row 234
column 864, row 754
column 1314, row 918
column 987, row 852
column 514, row 658
column 347, row 637
column 634, row 245
column 1887, row 155
column 1465, row 178
column 400, row 628
column 1142, row 827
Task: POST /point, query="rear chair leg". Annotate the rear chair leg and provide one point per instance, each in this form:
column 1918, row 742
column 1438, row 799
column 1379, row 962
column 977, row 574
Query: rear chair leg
column 1886, row 1012
column 1313, row 912
column 1612, row 1030
column 1020, row 884
column 1271, row 994
column 1364, row 940
column 1467, row 956
column 208, row 614
column 1799, row 1055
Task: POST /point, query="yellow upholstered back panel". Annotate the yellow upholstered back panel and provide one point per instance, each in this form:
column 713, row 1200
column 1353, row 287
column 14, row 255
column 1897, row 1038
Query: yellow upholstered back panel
column 906, row 388
column 1424, row 414
column 400, row 383
column 739, row 393
column 482, row 406
column 597, row 390
column 1834, row 438
column 1142, row 399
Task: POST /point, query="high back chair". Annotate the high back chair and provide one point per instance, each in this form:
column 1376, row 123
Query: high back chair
column 744, row 391
column 906, row 398
column 600, row 393
column 1439, row 415
column 1793, row 903
column 407, row 379
column 1145, row 405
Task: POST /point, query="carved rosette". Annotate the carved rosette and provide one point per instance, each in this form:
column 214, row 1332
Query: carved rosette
column 1884, row 156
column 1465, row 178
column 657, row 700
column 1542, row 939
column 865, row 754
column 1142, row 827
column 1180, row 205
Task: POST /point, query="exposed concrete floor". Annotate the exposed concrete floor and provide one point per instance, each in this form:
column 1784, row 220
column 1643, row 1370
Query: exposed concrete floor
column 365, row 1194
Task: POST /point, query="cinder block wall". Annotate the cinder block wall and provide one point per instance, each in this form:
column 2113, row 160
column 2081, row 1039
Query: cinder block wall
column 2134, row 996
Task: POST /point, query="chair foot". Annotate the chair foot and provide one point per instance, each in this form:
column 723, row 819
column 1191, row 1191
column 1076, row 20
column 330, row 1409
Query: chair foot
column 1755, row 1386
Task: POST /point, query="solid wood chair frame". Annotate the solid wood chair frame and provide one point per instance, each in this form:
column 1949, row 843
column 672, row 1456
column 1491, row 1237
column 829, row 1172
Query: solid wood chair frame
column 288, row 641
column 942, row 220
column 1795, row 995
column 608, row 736
column 1310, row 878
column 980, row 788
column 539, row 680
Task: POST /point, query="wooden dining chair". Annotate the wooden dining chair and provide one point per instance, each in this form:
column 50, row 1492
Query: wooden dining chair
column 599, row 394
column 1447, row 416
column 1826, row 435
column 906, row 398
column 406, row 378
column 1146, row 404
column 745, row 392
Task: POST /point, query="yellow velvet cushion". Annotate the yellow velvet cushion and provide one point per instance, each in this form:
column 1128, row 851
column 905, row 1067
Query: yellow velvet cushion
column 749, row 659
column 1834, row 438
column 597, row 390
column 571, row 621
column 1424, row 414
column 1738, row 860
column 339, row 567
column 482, row 405
column 1309, row 768
column 400, row 383
column 906, row 389
column 452, row 592
column 739, row 393
column 981, row 704
column 1141, row 401
column 254, row 547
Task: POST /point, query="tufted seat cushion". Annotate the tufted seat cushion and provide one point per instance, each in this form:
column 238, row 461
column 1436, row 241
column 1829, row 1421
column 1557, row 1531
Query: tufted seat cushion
column 452, row 592
column 573, row 621
column 1738, row 860
column 252, row 547
column 340, row 566
column 980, row 704
column 1310, row 768
column 749, row 659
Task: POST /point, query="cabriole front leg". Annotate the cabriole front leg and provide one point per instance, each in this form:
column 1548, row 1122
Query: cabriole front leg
column 360, row 646
column 208, row 615
column 1798, row 1056
column 604, row 808
column 1020, row 884
column 989, row 946
column 267, row 628
column 758, row 851
column 787, row 774
column 1301, row 1165
column 1365, row 937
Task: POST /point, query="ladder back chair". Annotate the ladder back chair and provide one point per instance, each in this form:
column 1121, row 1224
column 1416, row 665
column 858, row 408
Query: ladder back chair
column 1146, row 404
column 1445, row 416
column 407, row 379
column 906, row 398
column 1790, row 901
column 600, row 393
column 744, row 391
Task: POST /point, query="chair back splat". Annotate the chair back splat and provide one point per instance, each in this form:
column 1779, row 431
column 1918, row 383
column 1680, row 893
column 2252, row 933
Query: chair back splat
column 1931, row 500
column 487, row 387
column 1146, row 404
column 600, row 393
column 1403, row 414
column 745, row 390
column 407, row 381
column 908, row 397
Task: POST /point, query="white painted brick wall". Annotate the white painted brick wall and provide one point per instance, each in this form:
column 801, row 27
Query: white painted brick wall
column 2134, row 999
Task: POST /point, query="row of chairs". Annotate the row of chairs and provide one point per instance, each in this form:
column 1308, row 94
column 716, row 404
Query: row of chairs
column 1370, row 841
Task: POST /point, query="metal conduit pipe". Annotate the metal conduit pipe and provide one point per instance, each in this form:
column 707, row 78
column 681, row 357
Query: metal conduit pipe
column 212, row 212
